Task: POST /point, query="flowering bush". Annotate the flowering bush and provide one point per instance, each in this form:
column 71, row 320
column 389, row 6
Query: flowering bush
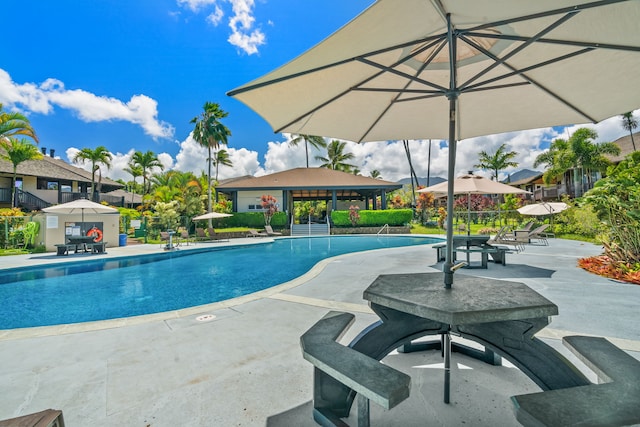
column 354, row 215
column 602, row 265
column 270, row 206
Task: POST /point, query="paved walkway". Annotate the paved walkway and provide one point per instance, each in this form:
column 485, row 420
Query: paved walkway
column 244, row 367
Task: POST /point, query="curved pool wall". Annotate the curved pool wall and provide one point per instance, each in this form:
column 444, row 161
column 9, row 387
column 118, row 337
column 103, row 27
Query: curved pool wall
column 85, row 291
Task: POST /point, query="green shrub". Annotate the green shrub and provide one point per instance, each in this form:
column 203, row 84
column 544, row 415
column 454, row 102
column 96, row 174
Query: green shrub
column 373, row 218
column 250, row 220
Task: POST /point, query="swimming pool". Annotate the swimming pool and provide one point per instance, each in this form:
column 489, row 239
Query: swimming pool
column 123, row 287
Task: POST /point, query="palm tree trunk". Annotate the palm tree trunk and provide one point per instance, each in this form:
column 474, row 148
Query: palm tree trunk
column 209, row 187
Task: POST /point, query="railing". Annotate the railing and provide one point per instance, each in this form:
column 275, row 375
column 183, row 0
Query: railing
column 386, row 226
column 30, row 201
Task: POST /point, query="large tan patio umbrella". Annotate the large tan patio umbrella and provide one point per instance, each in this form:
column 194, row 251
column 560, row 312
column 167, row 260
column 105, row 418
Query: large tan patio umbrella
column 211, row 215
column 80, row 205
column 472, row 184
column 417, row 69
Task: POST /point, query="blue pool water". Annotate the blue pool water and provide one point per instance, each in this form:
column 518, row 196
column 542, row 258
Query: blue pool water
column 123, row 287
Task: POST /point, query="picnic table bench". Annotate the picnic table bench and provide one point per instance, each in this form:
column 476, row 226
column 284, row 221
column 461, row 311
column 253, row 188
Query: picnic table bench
column 64, row 248
column 498, row 253
column 335, row 364
column 613, row 402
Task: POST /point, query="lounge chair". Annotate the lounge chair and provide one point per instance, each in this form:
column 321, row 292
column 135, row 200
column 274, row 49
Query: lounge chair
column 255, row 233
column 164, row 237
column 213, row 236
column 270, row 231
column 201, row 235
column 505, row 237
column 540, row 234
column 184, row 236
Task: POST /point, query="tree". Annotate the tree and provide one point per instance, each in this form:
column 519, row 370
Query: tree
column 580, row 154
column 210, row 133
column 316, row 141
column 135, row 171
column 336, row 157
column 221, row 158
column 629, row 123
column 99, row 155
column 497, row 161
column 270, row 207
column 375, row 174
column 15, row 124
column 146, row 161
column 17, row 151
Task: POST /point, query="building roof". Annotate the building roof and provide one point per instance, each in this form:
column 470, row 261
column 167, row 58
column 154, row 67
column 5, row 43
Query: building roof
column 54, row 168
column 311, row 183
column 626, row 146
column 307, row 178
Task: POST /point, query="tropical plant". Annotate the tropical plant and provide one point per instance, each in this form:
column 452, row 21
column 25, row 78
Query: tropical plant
column 630, row 123
column 15, row 124
column 316, row 141
column 30, row 232
column 497, row 161
column 424, row 204
column 221, row 158
column 577, row 153
column 99, row 155
column 270, row 207
column 17, row 151
column 167, row 214
column 209, row 132
column 616, row 200
column 135, row 171
column 375, row 174
column 354, row 215
column 336, row 157
column 146, row 162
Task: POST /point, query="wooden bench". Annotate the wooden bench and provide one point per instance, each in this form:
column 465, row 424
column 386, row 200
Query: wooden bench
column 46, row 418
column 64, row 248
column 615, row 401
column 366, row 376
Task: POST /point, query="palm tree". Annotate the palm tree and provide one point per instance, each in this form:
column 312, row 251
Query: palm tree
column 336, row 157
column 135, row 171
column 316, row 141
column 99, row 155
column 629, row 123
column 496, row 161
column 577, row 153
column 17, row 151
column 12, row 124
column 146, row 161
column 210, row 133
column 221, row 158
column 375, row 174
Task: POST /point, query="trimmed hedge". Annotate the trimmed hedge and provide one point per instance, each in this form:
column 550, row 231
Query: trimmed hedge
column 373, row 218
column 251, row 220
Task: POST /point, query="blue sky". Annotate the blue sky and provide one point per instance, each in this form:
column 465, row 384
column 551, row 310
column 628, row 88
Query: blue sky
column 131, row 76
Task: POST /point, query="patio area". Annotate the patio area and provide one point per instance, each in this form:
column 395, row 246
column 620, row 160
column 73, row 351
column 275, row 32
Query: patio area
column 243, row 366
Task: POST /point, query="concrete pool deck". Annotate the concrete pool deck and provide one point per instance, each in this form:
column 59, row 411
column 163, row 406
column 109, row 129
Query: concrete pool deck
column 243, row 366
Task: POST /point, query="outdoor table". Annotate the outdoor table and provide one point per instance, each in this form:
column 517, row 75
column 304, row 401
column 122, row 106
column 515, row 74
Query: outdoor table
column 501, row 315
column 80, row 241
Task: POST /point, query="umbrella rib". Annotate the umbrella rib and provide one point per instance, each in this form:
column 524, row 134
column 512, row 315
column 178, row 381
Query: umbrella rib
column 477, row 86
column 543, row 88
column 591, row 45
column 515, row 51
column 575, row 8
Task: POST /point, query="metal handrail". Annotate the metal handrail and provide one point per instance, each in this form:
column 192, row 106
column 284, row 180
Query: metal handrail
column 382, row 229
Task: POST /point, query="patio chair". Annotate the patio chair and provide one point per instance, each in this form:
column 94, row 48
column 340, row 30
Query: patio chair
column 213, row 236
column 270, row 231
column 540, row 234
column 184, row 236
column 201, row 235
column 164, row 238
column 505, row 237
column 255, row 233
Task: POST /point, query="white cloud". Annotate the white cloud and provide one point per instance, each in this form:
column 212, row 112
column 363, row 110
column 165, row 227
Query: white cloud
column 244, row 35
column 140, row 109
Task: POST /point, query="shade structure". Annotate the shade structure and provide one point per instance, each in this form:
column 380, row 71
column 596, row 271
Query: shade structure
column 417, row 69
column 211, row 215
column 543, row 208
column 80, row 205
column 473, row 184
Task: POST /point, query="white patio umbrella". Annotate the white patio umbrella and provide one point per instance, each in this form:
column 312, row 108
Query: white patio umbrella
column 80, row 205
column 472, row 184
column 211, row 215
column 416, row 69
column 543, row 208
